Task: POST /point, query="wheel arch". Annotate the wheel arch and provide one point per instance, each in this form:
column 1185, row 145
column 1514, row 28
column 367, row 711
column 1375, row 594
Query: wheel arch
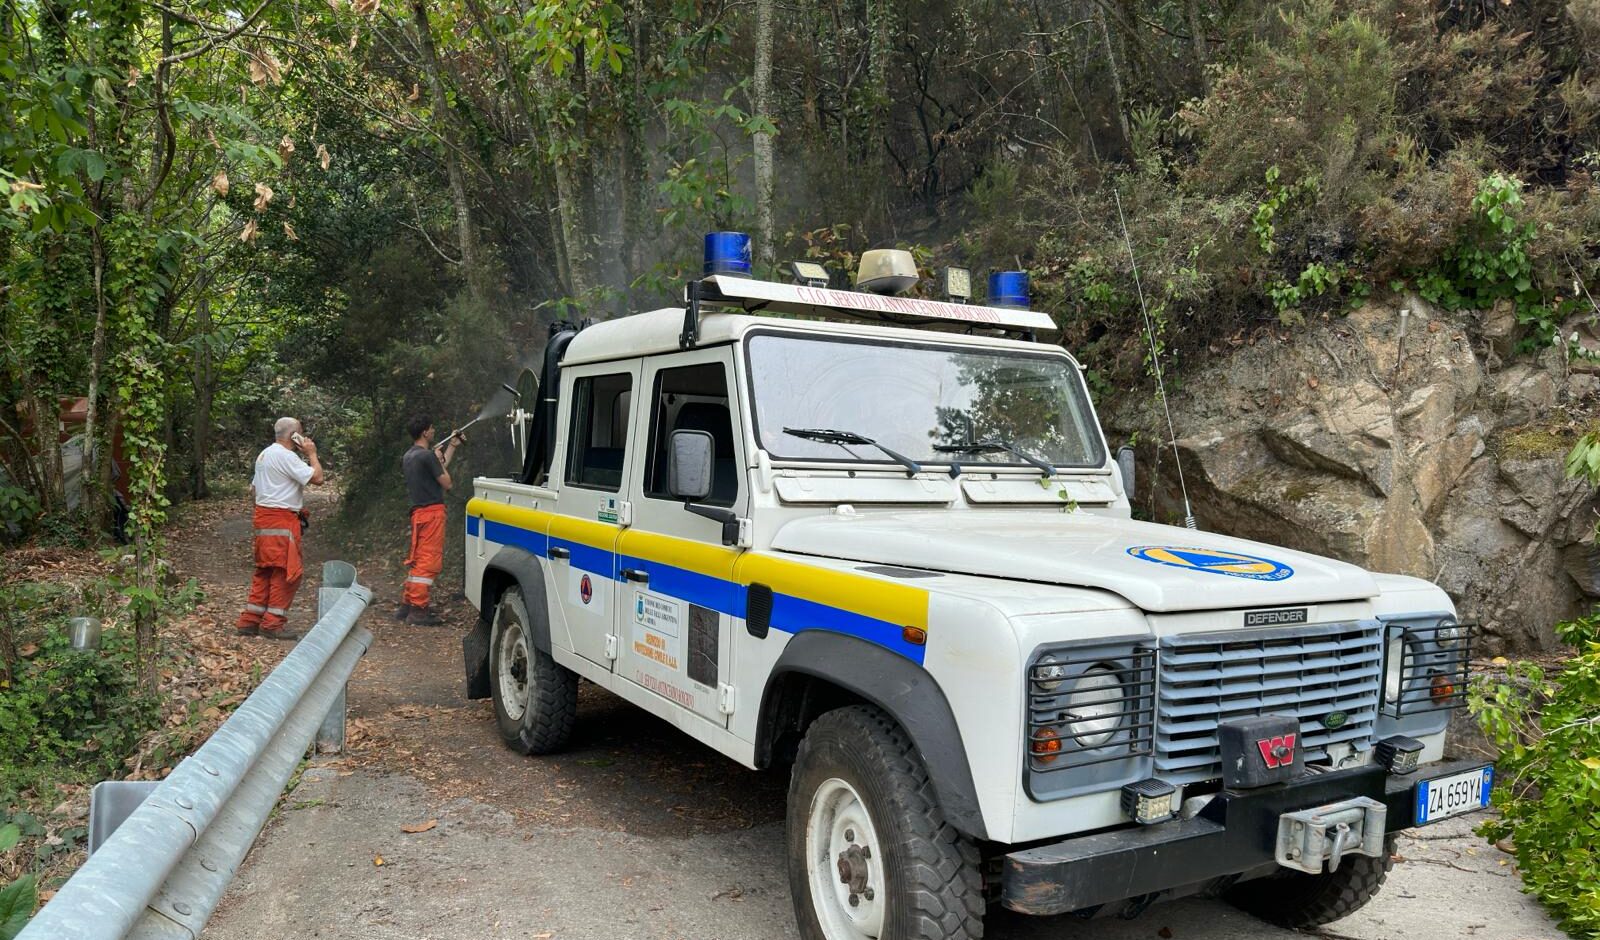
column 510, row 566
column 820, row 671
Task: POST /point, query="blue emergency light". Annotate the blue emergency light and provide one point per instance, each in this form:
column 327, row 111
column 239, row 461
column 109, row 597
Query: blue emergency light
column 1009, row 289
column 727, row 253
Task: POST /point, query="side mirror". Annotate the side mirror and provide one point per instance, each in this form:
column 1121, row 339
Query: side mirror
column 689, row 465
column 1125, row 464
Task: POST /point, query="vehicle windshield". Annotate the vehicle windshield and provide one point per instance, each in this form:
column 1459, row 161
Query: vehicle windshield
column 915, row 399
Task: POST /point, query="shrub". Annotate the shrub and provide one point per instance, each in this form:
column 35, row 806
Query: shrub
column 1548, row 732
column 71, row 715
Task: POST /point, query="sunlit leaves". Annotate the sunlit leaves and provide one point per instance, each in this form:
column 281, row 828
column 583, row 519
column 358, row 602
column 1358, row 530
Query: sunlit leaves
column 559, row 28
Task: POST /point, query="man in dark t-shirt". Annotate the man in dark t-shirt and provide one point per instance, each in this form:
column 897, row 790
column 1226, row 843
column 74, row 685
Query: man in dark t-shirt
column 427, row 477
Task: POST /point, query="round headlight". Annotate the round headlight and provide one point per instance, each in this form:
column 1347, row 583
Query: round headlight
column 1048, row 673
column 1449, row 633
column 1095, row 706
column 1392, row 661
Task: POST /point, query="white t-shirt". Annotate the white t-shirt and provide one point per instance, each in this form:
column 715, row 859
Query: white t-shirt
column 281, row 478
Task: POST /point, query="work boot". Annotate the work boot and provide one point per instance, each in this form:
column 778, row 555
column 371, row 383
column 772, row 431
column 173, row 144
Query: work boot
column 402, row 612
column 424, row 617
column 282, row 633
column 247, row 629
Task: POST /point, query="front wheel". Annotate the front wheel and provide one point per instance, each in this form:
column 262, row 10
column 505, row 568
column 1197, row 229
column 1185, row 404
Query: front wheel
column 1298, row 900
column 535, row 698
column 870, row 855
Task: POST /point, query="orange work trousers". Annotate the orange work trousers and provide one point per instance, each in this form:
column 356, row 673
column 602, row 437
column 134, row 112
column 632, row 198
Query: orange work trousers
column 278, row 569
column 427, row 553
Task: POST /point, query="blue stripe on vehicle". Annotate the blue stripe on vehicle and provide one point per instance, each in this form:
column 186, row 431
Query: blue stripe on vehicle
column 789, row 614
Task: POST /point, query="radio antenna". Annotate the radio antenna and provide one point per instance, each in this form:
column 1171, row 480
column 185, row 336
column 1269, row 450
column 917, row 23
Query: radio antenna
column 1155, row 362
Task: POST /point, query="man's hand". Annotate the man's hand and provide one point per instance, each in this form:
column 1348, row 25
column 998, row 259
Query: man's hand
column 447, row 450
column 309, row 448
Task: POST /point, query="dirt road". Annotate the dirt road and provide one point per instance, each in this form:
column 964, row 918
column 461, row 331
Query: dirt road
column 636, row 832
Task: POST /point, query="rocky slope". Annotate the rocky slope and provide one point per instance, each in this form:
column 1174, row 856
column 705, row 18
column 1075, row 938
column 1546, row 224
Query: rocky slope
column 1398, row 438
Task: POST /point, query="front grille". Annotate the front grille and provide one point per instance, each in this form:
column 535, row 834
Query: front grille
column 1308, row 673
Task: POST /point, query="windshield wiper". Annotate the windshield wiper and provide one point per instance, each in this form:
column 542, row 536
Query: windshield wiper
column 830, row 436
column 990, row 447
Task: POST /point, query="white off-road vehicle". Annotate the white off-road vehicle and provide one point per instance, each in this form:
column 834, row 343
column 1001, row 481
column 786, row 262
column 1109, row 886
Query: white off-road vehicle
column 882, row 539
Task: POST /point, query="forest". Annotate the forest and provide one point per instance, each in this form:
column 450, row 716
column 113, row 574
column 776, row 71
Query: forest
column 353, row 211
column 357, row 210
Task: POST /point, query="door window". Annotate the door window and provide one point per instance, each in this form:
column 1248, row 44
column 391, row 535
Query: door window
column 693, row 398
column 599, row 431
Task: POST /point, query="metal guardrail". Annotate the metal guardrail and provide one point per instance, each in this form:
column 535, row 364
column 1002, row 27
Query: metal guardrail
column 162, row 871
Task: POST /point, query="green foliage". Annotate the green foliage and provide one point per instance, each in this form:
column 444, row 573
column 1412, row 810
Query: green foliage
column 18, row 508
column 1548, row 791
column 1583, row 462
column 16, row 906
column 1316, row 280
column 71, row 716
column 1490, row 262
column 1261, row 221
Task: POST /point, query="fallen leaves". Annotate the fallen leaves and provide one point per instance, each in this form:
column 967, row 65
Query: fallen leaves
column 419, row 827
column 378, row 862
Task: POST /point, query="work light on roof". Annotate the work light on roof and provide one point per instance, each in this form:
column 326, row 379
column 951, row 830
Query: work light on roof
column 1009, row 289
column 809, row 273
column 727, row 253
column 957, row 285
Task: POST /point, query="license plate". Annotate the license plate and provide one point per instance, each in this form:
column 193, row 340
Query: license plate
column 1443, row 797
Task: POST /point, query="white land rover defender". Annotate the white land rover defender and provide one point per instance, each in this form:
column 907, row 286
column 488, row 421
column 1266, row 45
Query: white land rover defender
column 897, row 555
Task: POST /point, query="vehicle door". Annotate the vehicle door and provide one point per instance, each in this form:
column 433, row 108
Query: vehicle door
column 675, row 616
column 590, row 506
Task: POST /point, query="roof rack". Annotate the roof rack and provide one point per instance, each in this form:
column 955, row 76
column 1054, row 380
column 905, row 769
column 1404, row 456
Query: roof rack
column 753, row 296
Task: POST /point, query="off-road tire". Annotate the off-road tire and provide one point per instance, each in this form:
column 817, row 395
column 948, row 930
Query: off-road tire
column 935, row 888
column 551, row 706
column 1298, row 900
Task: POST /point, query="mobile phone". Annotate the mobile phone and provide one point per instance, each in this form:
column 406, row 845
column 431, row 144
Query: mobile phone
column 298, row 438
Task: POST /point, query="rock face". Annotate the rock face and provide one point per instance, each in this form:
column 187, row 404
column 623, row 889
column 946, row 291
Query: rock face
column 1401, row 443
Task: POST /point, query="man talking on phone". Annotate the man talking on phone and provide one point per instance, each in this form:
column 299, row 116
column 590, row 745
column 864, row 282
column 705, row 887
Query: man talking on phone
column 278, row 492
column 425, row 468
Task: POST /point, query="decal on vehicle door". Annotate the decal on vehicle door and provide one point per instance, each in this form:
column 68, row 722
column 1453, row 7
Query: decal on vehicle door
column 657, row 628
column 587, row 590
column 1211, row 561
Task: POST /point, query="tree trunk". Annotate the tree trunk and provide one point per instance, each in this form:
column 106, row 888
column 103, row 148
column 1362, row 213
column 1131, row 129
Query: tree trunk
column 762, row 92
column 1118, row 102
column 880, row 20
column 96, row 468
column 466, row 235
column 1197, row 30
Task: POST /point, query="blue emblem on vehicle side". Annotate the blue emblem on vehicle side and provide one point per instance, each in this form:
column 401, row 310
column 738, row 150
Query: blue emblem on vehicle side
column 1211, row 561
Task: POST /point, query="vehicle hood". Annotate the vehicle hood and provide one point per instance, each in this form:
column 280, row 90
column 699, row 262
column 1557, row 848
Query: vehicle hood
column 1159, row 568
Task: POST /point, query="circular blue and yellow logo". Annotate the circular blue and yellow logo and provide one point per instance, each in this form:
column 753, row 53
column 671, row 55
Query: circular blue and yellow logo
column 1232, row 564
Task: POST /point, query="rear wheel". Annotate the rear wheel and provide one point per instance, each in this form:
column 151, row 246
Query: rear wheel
column 870, row 855
column 535, row 699
column 1295, row 899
